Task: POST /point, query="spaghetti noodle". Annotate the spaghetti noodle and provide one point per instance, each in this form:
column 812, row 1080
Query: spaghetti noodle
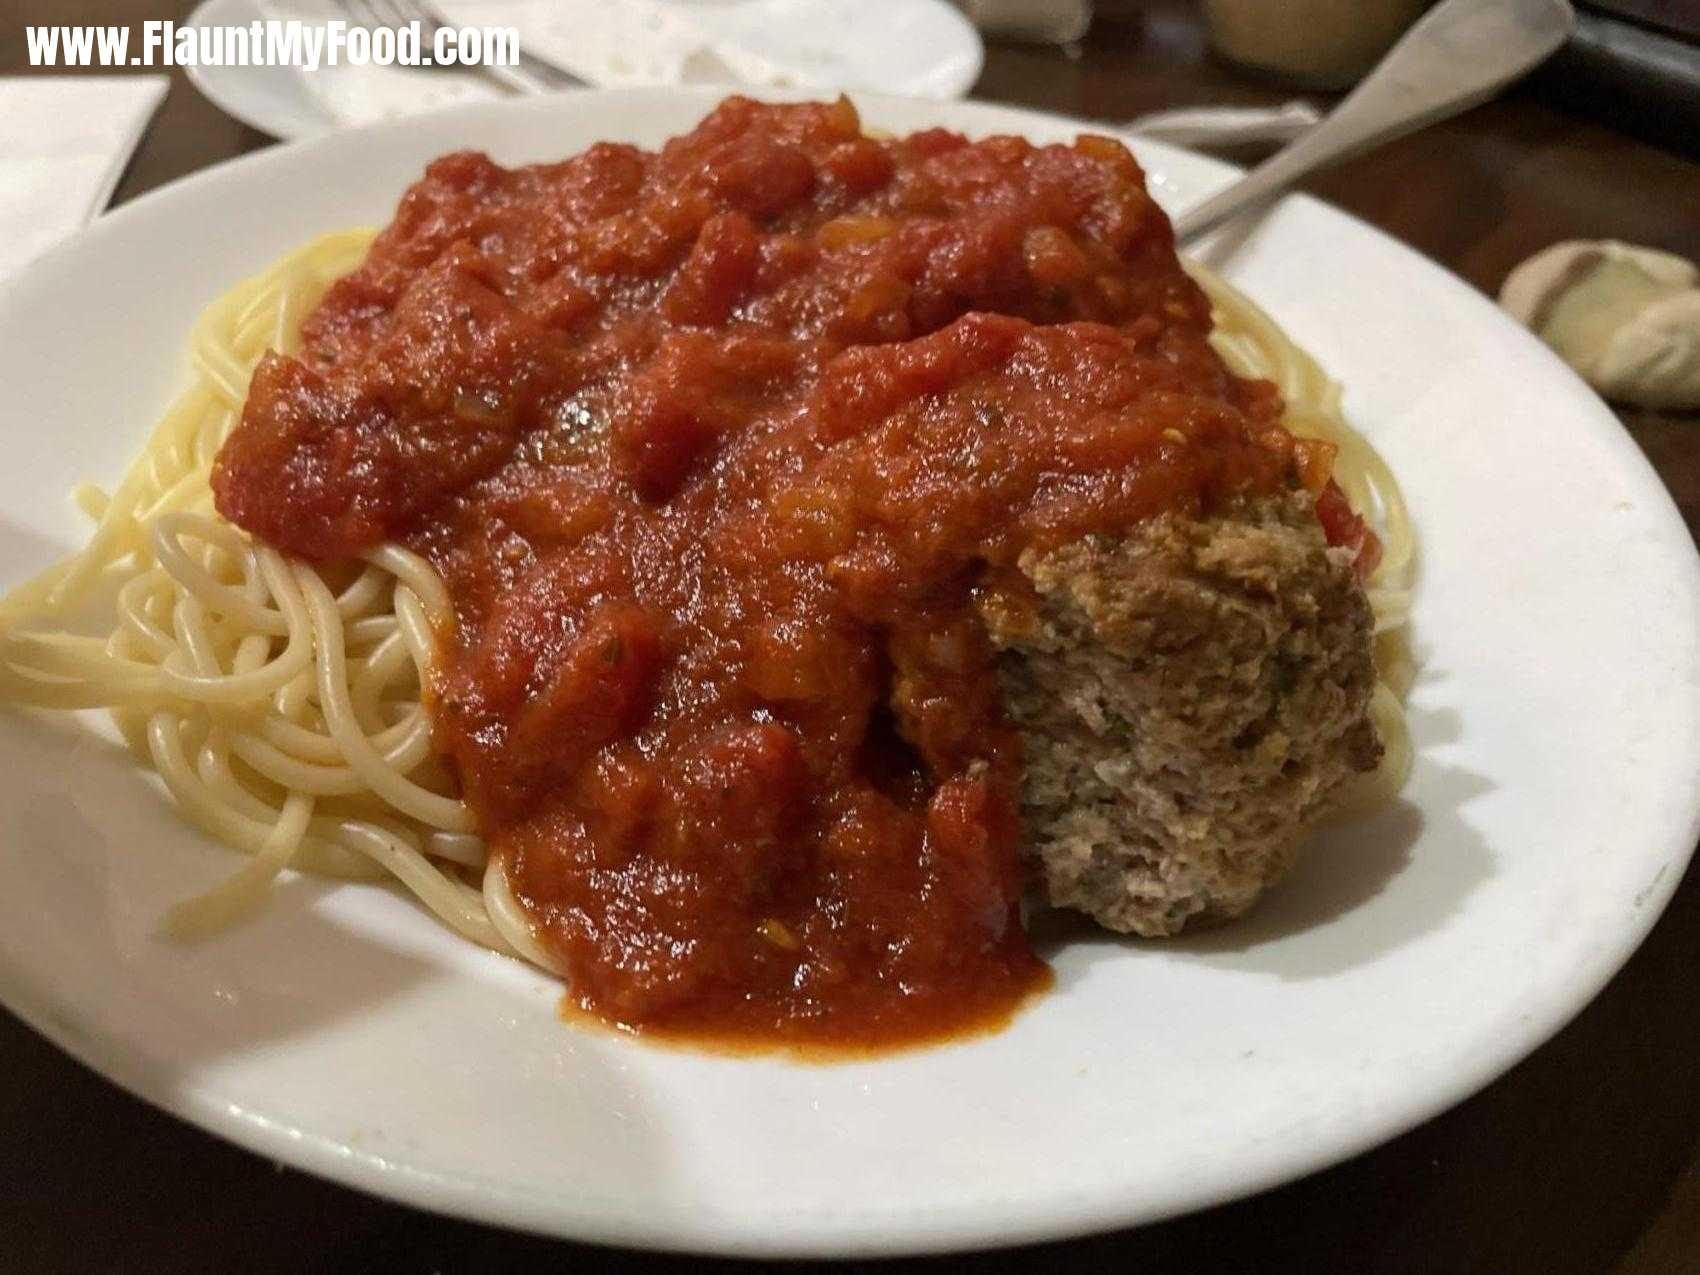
column 280, row 703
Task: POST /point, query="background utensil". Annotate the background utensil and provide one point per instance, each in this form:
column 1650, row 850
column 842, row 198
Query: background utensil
column 1202, row 127
column 530, row 75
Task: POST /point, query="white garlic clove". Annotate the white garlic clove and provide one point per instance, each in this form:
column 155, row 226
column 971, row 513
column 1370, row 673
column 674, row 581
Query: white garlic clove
column 1626, row 318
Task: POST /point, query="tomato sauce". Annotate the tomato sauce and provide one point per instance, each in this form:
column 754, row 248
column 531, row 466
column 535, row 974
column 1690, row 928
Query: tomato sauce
column 713, row 447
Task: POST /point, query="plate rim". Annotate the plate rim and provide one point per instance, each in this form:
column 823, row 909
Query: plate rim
column 206, row 82
column 500, row 1204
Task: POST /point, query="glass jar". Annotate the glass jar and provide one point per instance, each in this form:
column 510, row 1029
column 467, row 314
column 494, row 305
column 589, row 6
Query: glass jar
column 1321, row 44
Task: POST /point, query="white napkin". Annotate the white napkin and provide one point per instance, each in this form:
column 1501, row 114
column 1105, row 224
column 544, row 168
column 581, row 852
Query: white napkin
column 64, row 141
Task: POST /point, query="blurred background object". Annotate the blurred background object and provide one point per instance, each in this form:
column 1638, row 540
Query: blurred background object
column 1040, row 21
column 1681, row 17
column 1626, row 317
column 1633, row 64
column 917, row 48
column 1324, row 44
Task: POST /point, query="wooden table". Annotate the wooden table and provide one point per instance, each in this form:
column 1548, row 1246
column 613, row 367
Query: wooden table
column 1585, row 1158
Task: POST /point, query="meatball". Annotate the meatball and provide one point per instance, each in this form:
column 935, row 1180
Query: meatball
column 1191, row 696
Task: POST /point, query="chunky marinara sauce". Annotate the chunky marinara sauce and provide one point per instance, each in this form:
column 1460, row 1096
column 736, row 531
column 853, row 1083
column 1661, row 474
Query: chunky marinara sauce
column 713, row 447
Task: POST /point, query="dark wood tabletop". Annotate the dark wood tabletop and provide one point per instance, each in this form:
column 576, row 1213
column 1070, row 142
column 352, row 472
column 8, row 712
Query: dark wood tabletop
column 1585, row 1158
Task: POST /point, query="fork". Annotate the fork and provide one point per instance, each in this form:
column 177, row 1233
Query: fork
column 530, row 75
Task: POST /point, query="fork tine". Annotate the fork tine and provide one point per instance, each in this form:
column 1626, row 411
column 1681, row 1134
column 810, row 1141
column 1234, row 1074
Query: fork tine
column 358, row 11
column 386, row 12
column 530, row 76
column 407, row 11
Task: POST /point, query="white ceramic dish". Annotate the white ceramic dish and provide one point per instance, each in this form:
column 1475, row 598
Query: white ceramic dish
column 1413, row 957
column 921, row 48
column 273, row 99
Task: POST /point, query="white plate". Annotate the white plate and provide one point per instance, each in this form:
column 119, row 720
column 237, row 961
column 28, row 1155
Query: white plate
column 922, row 48
column 1411, row 959
column 273, row 99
